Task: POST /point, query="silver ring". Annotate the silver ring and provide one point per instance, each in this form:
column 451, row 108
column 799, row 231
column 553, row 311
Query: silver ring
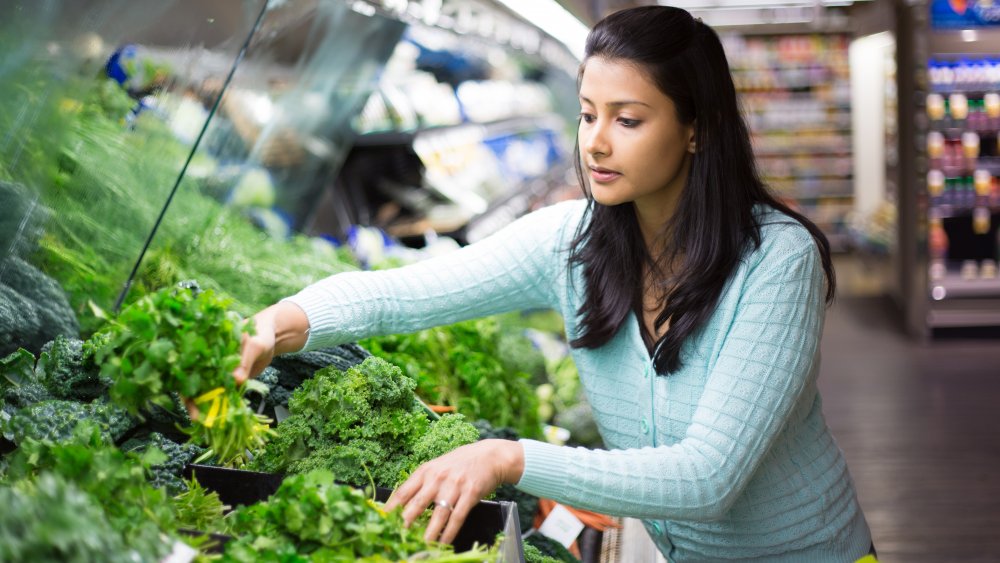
column 443, row 503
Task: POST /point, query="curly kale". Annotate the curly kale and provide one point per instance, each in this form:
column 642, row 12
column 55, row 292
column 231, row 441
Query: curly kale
column 549, row 548
column 48, row 302
column 169, row 474
column 51, row 519
column 534, row 555
column 68, row 372
column 293, row 369
column 363, row 424
column 56, row 419
column 444, row 435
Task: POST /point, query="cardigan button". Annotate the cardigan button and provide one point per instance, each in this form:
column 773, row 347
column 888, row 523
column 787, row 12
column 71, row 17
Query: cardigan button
column 644, row 425
column 657, row 528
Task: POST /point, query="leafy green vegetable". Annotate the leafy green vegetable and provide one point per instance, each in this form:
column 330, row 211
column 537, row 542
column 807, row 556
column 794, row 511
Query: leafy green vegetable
column 460, row 365
column 312, row 518
column 181, row 341
column 199, row 509
column 534, row 555
column 140, row 513
column 68, row 372
column 55, row 316
column 50, row 519
column 56, row 419
column 549, row 547
column 363, row 424
column 168, row 474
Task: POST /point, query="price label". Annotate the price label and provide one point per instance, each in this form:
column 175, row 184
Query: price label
column 561, row 525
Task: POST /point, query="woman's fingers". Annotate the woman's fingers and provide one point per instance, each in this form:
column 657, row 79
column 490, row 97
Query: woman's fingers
column 456, row 517
column 405, row 492
column 444, row 507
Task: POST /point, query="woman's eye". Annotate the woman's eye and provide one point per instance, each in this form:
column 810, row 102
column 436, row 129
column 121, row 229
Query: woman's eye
column 629, row 122
column 586, row 118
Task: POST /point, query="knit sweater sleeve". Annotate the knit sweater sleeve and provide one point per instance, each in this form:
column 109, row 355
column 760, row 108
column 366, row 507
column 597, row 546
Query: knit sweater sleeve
column 765, row 363
column 509, row 270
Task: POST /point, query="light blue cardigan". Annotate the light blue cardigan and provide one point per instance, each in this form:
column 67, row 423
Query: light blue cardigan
column 728, row 458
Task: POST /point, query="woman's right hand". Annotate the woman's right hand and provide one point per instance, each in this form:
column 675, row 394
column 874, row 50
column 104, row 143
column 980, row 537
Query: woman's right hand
column 279, row 329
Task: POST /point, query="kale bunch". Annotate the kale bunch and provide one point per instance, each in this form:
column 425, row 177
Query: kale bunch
column 463, row 365
column 364, row 425
column 33, row 308
column 168, row 474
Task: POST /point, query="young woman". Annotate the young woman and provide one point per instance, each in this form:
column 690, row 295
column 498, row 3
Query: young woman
column 695, row 304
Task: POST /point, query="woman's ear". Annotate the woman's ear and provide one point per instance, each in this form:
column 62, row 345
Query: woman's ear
column 691, row 146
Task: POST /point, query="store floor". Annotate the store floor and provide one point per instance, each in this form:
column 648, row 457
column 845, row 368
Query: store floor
column 919, row 424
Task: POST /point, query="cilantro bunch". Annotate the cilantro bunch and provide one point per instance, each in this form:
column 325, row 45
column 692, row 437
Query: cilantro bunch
column 310, row 518
column 187, row 342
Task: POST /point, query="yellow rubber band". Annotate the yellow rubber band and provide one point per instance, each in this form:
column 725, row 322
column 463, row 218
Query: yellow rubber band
column 213, row 413
column 222, row 412
column 208, row 396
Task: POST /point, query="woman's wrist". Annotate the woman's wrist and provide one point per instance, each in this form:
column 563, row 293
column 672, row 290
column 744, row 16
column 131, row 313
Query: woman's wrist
column 512, row 460
column 290, row 325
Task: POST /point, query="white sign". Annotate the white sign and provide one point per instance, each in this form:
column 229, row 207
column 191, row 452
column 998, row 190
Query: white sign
column 561, row 525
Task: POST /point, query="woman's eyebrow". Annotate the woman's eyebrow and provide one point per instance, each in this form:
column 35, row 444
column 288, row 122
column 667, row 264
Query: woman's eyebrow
column 618, row 103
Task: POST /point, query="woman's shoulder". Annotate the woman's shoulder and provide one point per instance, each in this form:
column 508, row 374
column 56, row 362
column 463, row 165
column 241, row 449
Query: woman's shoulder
column 781, row 235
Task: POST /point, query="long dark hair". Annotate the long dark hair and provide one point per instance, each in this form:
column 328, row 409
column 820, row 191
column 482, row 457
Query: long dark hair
column 714, row 225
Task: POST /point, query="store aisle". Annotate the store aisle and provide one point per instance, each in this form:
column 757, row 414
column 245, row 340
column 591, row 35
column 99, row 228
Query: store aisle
column 920, row 429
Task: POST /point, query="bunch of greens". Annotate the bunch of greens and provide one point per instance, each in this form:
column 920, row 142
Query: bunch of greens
column 364, row 425
column 115, row 483
column 312, row 518
column 461, row 365
column 179, row 340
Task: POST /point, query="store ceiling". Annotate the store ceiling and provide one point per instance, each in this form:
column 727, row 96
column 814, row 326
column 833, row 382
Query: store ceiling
column 728, row 13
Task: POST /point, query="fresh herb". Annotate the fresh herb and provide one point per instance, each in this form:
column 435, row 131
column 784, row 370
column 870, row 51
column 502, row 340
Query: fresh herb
column 178, row 340
column 312, row 518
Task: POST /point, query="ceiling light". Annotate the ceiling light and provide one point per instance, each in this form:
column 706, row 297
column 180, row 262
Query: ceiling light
column 554, row 20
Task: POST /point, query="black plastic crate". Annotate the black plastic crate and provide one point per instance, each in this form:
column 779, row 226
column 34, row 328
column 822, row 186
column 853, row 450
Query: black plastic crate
column 237, row 487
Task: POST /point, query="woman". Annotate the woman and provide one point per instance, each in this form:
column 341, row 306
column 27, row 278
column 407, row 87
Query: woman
column 695, row 303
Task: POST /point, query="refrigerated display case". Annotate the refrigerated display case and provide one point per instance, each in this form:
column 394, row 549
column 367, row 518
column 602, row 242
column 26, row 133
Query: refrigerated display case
column 949, row 209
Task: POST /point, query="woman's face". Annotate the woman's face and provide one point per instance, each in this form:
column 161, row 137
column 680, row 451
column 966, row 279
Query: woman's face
column 632, row 145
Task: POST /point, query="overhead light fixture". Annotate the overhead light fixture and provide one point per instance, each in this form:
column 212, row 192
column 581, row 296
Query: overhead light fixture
column 554, row 20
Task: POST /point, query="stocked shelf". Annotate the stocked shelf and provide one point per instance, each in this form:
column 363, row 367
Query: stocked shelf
column 953, row 286
column 795, row 90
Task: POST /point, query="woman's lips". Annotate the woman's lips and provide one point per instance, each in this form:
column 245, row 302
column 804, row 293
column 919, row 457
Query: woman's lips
column 603, row 175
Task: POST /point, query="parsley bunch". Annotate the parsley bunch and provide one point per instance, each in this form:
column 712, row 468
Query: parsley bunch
column 181, row 340
column 310, row 518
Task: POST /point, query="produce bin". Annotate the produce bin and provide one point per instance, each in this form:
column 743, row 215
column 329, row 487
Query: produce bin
column 237, row 487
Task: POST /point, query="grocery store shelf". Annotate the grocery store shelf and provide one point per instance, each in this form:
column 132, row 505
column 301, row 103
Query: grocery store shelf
column 952, row 286
column 949, row 211
column 967, row 313
column 796, row 152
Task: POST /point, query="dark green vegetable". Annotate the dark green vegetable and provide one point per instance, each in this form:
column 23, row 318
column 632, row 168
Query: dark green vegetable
column 143, row 515
column 55, row 316
column 56, row 419
column 460, row 365
column 363, row 424
column 533, row 555
column 169, row 474
column 550, row 548
column 68, row 372
column 310, row 518
column 179, row 340
column 199, row 509
column 293, row 369
column 50, row 520
column 19, row 323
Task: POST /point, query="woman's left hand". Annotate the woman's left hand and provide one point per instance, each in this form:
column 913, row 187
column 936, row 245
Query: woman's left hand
column 455, row 482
